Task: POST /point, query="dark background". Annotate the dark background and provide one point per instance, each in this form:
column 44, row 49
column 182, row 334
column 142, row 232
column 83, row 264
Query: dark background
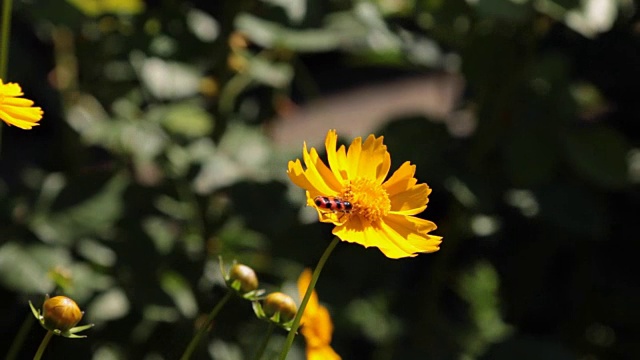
column 164, row 145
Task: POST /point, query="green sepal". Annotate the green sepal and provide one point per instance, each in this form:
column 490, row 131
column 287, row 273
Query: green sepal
column 235, row 284
column 36, row 313
column 275, row 319
column 80, row 328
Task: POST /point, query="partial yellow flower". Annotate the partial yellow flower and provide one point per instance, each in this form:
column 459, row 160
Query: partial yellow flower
column 15, row 110
column 317, row 327
column 382, row 212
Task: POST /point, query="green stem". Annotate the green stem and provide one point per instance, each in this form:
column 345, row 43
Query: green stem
column 5, row 33
column 43, row 345
column 196, row 339
column 263, row 346
column 4, row 40
column 305, row 300
column 20, row 337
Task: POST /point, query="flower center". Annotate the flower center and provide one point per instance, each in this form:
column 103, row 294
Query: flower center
column 370, row 200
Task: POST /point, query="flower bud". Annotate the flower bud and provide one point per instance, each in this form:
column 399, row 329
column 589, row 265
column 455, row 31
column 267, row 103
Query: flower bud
column 244, row 276
column 278, row 302
column 60, row 313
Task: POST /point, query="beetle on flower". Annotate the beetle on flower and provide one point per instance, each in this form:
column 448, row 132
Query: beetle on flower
column 383, row 212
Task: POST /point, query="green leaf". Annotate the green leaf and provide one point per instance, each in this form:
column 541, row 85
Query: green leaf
column 271, row 35
column 110, row 305
column 187, row 119
column 92, row 216
column 177, row 287
column 25, row 268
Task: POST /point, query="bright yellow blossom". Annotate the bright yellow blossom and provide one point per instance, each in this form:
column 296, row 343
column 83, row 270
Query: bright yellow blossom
column 383, row 211
column 317, row 327
column 15, row 110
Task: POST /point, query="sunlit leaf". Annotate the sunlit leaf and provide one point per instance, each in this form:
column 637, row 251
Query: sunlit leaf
column 110, row 305
column 187, row 119
column 93, row 216
column 25, row 268
column 97, row 253
column 270, row 34
column 179, row 290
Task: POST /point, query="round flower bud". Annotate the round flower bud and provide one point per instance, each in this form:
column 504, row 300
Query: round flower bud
column 60, row 313
column 282, row 303
column 245, row 276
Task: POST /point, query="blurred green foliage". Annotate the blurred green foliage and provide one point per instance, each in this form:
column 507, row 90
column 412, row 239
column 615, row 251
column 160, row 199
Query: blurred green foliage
column 168, row 126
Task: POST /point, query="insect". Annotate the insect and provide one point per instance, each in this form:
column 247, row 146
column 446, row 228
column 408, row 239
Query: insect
column 332, row 203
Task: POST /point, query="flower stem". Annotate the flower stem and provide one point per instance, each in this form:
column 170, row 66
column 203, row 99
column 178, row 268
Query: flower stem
column 4, row 40
column 263, row 346
column 196, row 339
column 43, row 345
column 5, row 32
column 305, row 300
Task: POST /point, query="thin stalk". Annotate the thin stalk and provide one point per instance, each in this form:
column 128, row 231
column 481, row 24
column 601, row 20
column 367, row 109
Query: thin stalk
column 305, row 300
column 43, row 345
column 196, row 339
column 20, row 337
column 4, row 39
column 263, row 346
column 5, row 34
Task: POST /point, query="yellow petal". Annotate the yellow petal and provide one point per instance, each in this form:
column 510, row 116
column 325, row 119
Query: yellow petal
column 314, row 175
column 10, row 89
column 353, row 157
column 14, row 101
column 383, row 169
column 303, row 283
column 372, row 158
column 357, row 230
column 415, row 231
column 401, row 180
column 25, row 124
column 297, row 175
column 411, row 201
column 318, row 329
column 337, row 159
column 322, row 353
column 398, row 242
column 397, row 236
column 323, row 171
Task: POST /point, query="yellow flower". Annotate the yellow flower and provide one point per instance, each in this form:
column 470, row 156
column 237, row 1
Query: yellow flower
column 317, row 326
column 17, row 111
column 381, row 213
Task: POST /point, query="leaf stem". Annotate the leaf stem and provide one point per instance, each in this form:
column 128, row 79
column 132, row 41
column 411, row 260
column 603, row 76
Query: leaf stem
column 196, row 339
column 305, row 300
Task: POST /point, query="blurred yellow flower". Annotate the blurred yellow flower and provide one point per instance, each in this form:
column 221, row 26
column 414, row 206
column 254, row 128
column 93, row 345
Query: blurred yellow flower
column 17, row 111
column 353, row 195
column 317, row 327
column 99, row 7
